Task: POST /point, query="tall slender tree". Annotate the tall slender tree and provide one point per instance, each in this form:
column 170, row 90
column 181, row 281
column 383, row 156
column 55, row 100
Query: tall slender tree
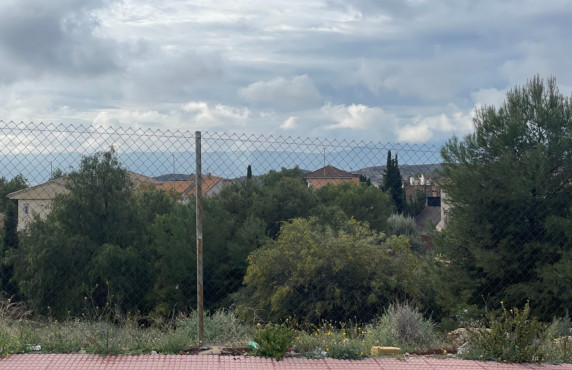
column 392, row 183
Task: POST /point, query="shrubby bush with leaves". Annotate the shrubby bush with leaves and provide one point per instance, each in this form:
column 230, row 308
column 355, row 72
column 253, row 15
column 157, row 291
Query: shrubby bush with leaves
column 312, row 271
column 273, row 341
column 402, row 325
column 512, row 336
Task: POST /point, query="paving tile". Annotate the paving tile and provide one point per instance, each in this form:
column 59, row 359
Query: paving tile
column 213, row 362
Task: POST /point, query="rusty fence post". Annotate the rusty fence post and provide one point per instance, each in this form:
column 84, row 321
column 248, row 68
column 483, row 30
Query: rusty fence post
column 199, row 224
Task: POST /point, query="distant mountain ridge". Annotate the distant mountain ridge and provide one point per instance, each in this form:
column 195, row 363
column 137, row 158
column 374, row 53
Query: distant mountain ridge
column 173, row 177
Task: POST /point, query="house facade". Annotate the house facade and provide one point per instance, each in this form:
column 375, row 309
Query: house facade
column 37, row 200
column 330, row 175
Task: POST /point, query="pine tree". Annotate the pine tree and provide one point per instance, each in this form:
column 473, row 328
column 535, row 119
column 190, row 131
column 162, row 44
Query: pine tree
column 249, row 172
column 509, row 184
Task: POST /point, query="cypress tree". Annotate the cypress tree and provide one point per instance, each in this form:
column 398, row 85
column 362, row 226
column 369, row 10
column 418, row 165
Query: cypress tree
column 392, row 183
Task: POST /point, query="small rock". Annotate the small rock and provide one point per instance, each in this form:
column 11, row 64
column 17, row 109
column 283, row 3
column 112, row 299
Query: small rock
column 458, row 337
column 153, row 352
column 463, row 348
column 82, row 352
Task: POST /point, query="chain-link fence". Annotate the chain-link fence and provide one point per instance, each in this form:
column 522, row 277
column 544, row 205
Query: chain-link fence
column 100, row 219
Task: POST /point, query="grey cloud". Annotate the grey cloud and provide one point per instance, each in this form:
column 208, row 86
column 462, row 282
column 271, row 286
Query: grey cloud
column 57, row 37
column 297, row 93
column 175, row 77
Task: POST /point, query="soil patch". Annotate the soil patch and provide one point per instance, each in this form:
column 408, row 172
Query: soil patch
column 434, row 351
column 225, row 351
column 242, row 351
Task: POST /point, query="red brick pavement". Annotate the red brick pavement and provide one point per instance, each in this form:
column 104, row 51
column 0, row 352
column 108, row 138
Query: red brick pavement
column 173, row 362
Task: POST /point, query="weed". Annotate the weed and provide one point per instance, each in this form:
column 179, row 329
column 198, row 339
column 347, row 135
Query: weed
column 221, row 328
column 513, row 336
column 273, row 341
column 401, row 325
column 350, row 350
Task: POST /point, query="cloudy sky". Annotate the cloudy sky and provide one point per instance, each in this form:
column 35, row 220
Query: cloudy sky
column 382, row 70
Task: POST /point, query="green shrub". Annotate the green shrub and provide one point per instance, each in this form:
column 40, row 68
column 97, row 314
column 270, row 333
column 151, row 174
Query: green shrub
column 312, row 272
column 403, row 325
column 273, row 341
column 221, row 327
column 512, row 336
column 350, row 350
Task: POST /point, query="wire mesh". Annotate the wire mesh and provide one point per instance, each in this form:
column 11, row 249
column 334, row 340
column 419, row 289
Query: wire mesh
column 297, row 228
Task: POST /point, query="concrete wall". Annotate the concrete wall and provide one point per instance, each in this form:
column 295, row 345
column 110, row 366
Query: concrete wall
column 40, row 207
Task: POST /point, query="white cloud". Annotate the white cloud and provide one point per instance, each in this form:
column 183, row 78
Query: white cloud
column 424, row 129
column 289, row 124
column 488, row 97
column 390, row 69
column 297, row 93
column 202, row 115
column 355, row 116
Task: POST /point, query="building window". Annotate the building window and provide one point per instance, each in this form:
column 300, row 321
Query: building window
column 26, row 209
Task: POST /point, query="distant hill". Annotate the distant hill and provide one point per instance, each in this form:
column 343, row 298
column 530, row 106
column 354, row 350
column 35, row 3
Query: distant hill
column 173, row 177
column 375, row 174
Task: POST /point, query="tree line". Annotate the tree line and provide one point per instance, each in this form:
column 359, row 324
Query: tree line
column 275, row 248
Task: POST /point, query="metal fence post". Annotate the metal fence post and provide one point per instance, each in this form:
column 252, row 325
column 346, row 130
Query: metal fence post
column 199, row 224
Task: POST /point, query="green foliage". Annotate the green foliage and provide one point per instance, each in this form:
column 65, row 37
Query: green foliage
column 222, row 328
column 392, row 183
column 409, row 327
column 51, row 268
column 351, row 350
column 90, row 250
column 402, row 325
column 224, row 256
column 125, row 336
column 10, row 243
column 9, row 231
column 101, row 197
column 365, row 179
column 362, row 202
column 273, row 341
column 272, row 178
column 57, row 173
column 312, row 271
column 415, row 203
column 402, row 225
column 11, row 226
column 7, row 187
column 508, row 234
column 513, row 336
